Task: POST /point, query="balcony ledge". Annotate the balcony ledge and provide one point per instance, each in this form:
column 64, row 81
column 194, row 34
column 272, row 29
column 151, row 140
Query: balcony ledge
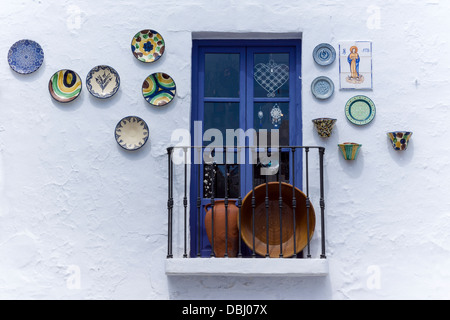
column 247, row 267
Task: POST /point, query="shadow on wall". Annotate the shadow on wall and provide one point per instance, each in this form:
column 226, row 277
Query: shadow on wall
column 137, row 154
column 401, row 158
column 245, row 288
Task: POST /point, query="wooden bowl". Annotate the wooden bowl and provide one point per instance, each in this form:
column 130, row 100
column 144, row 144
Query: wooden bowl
column 261, row 240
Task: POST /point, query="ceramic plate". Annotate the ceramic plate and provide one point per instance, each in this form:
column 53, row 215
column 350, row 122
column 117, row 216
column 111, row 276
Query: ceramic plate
column 25, row 56
column 324, row 54
column 322, row 88
column 148, row 46
column 159, row 89
column 103, row 82
column 360, row 110
column 131, row 133
column 65, row 86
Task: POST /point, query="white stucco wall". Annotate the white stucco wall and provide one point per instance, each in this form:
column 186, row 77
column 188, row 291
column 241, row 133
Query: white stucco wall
column 73, row 205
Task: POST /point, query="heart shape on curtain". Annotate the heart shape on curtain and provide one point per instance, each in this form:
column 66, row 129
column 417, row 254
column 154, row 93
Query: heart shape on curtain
column 271, row 76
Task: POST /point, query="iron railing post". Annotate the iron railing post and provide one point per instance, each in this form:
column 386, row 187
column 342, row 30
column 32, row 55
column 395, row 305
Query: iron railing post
column 322, row 202
column 170, row 204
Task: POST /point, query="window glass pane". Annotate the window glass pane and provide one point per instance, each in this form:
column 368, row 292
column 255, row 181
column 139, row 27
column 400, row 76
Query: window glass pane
column 271, row 75
column 272, row 116
column 214, row 180
column 222, row 75
column 220, row 116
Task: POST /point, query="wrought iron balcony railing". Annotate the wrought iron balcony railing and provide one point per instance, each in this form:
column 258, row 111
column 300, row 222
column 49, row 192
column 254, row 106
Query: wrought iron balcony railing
column 274, row 218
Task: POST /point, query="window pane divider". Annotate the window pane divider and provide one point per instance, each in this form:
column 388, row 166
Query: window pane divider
column 216, row 99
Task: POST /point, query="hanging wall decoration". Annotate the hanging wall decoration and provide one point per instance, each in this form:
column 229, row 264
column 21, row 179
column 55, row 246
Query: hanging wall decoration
column 65, row 86
column 159, row 89
column 261, row 117
column 148, row 46
column 25, row 56
column 132, row 133
column 360, row 110
column 324, row 126
column 355, row 64
column 103, row 82
column 271, row 76
column 276, row 114
column 322, row 88
column 399, row 139
column 324, row 54
column 350, row 150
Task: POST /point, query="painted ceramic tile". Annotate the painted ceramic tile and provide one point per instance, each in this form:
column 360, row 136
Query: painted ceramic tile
column 355, row 65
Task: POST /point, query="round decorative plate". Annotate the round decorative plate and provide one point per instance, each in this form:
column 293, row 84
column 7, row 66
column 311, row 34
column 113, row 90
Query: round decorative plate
column 65, row 86
column 322, row 88
column 131, row 133
column 360, row 110
column 324, row 54
column 159, row 89
column 25, row 56
column 148, row 46
column 103, row 82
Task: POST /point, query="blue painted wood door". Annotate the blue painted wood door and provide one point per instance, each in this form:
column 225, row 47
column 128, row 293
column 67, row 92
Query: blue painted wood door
column 241, row 85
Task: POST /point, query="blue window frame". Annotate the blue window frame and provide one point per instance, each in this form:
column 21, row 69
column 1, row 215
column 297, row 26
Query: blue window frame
column 231, row 87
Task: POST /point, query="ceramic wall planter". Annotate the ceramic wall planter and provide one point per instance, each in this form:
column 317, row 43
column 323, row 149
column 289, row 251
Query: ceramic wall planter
column 350, row 150
column 324, row 126
column 400, row 139
column 220, row 228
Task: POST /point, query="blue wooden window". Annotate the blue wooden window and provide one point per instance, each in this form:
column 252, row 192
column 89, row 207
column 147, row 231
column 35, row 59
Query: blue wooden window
column 237, row 84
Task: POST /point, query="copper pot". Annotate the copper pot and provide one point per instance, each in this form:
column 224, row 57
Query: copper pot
column 287, row 215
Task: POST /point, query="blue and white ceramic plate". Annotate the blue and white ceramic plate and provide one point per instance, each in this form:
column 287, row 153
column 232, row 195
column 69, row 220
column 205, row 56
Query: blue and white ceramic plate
column 322, row 88
column 132, row 133
column 360, row 110
column 25, row 56
column 324, row 54
column 103, row 82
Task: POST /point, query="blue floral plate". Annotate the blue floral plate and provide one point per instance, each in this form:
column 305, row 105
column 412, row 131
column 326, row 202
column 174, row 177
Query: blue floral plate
column 322, row 88
column 25, row 56
column 324, row 54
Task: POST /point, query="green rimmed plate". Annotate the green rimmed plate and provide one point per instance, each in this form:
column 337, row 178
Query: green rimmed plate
column 360, row 110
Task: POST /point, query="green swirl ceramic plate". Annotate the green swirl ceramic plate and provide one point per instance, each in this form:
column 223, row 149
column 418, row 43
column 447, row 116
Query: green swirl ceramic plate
column 360, row 110
column 65, row 86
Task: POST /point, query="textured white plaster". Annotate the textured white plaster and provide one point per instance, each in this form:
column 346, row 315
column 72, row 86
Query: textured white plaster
column 71, row 197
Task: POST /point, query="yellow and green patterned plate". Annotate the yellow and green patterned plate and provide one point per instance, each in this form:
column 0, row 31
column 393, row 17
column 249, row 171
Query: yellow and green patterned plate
column 148, row 46
column 65, row 86
column 360, row 110
column 159, row 89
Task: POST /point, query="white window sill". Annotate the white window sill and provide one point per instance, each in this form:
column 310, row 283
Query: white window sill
column 247, row 267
